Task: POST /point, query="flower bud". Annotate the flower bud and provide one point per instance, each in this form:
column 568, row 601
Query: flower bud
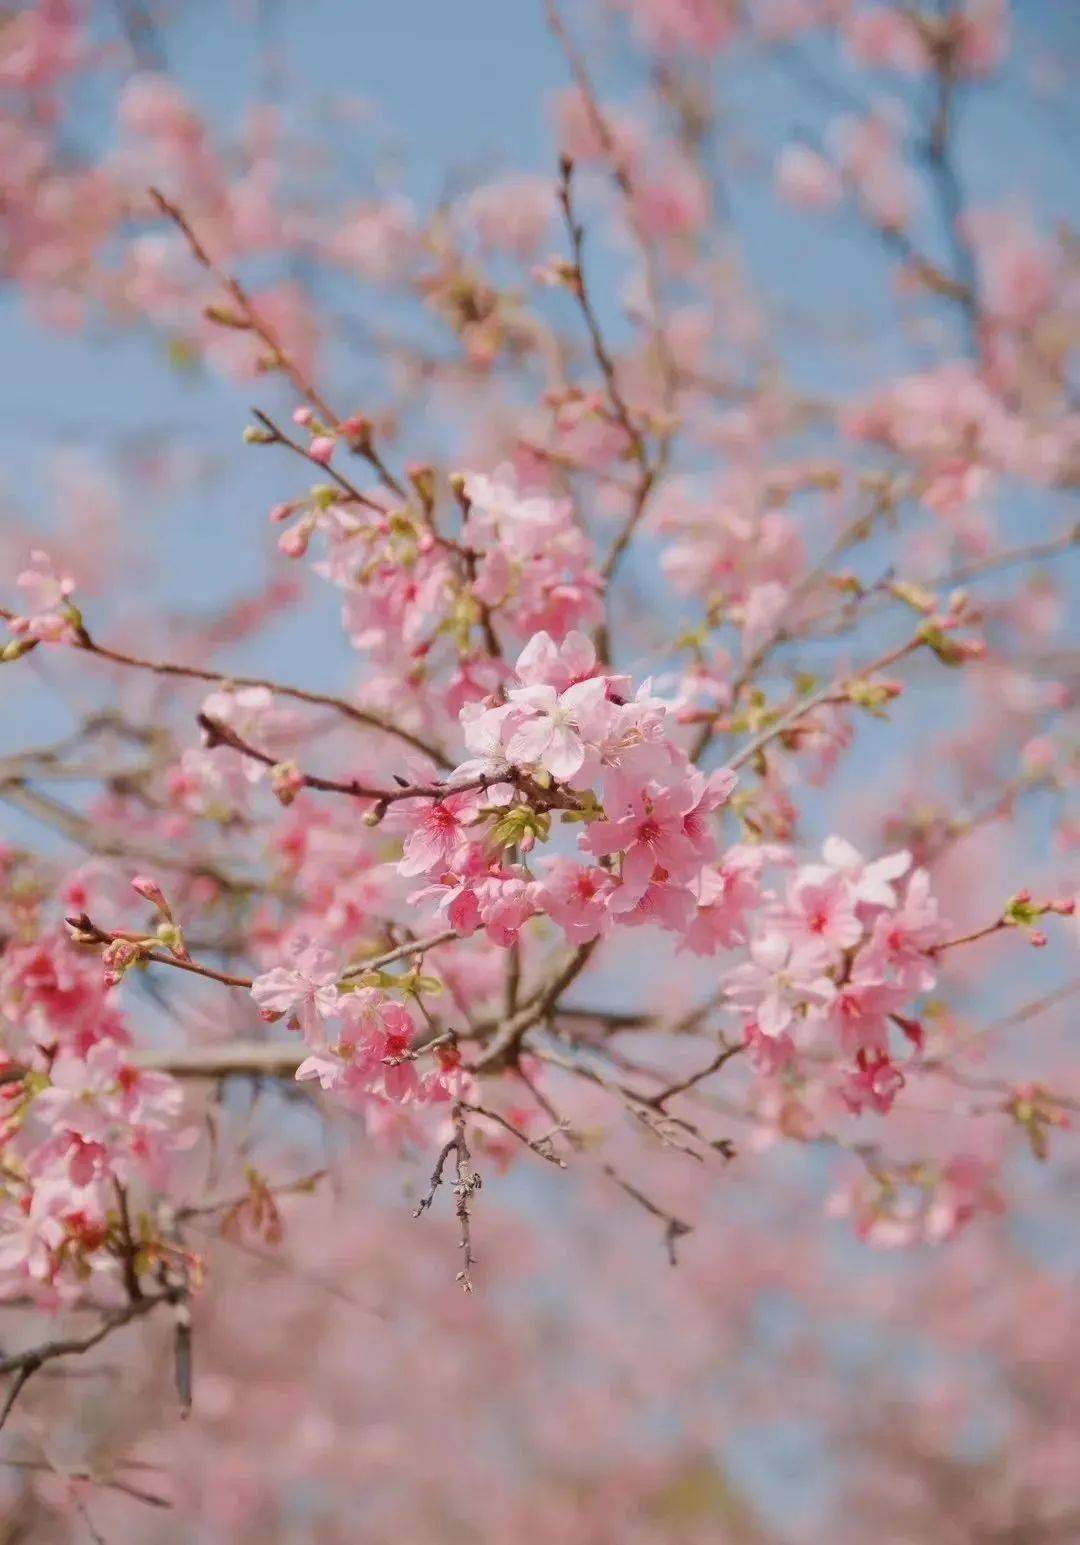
column 223, row 317
column 294, row 542
column 422, row 477
column 15, row 648
column 171, row 937
column 118, row 957
column 286, row 781
column 357, row 432
column 151, row 891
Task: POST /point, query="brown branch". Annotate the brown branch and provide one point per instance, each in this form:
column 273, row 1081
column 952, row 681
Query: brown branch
column 219, row 734
column 723, row 1056
column 84, row 931
column 277, row 436
column 857, row 530
column 106, row 1482
column 838, row 691
column 1010, row 557
column 540, row 1146
column 601, row 354
column 360, row 444
column 465, row 1187
column 363, row 716
column 970, row 938
column 938, row 155
column 129, row 1247
column 675, row 1228
column 88, row 932
column 25, row 1364
column 96, row 838
column 182, row 1359
column 508, row 1037
column 650, row 469
column 303, row 1186
column 418, row 947
column 1036, row 1007
column 233, row 1059
column 671, row 1130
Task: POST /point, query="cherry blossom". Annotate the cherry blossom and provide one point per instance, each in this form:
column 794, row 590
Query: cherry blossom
column 780, row 977
column 307, row 989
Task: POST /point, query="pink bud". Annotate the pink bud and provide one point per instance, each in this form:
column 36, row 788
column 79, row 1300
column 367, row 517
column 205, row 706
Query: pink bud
column 357, row 429
column 1037, row 940
column 294, row 542
column 302, row 416
column 321, row 449
column 912, row 1029
column 117, row 958
column 151, row 891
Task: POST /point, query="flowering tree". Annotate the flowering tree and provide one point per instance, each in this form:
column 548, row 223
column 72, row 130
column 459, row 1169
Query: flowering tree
column 684, row 854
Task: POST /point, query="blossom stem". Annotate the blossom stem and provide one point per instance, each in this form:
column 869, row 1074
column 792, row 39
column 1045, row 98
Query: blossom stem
column 362, row 716
column 280, row 357
column 836, row 692
column 970, row 938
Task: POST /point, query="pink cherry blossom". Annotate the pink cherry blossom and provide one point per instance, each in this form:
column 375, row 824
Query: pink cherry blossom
column 860, row 1013
column 781, row 977
column 874, row 1083
column 48, row 594
column 552, row 728
column 438, row 831
column 650, row 834
column 575, row 896
column 306, row 989
column 870, row 883
column 543, row 662
column 820, row 911
column 902, row 940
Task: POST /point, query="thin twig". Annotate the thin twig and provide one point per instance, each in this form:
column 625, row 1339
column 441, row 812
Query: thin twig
column 25, row 1364
column 465, row 1187
column 364, row 716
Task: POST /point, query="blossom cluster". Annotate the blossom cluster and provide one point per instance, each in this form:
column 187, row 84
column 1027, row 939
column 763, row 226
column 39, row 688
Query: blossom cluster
column 361, row 1041
column 82, row 1123
column 841, row 953
column 565, row 734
